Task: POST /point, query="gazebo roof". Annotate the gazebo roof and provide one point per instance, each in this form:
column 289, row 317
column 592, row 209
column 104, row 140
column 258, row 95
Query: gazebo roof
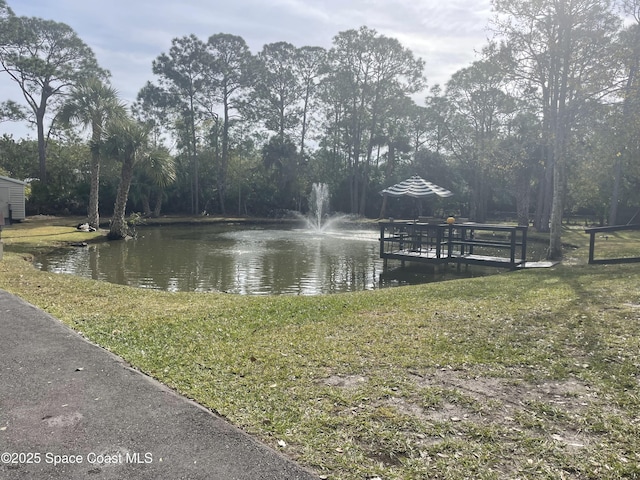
column 416, row 187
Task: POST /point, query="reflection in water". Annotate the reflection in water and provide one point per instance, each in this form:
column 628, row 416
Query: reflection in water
column 231, row 259
column 244, row 260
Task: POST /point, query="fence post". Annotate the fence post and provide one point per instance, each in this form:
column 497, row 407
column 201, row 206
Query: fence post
column 592, row 246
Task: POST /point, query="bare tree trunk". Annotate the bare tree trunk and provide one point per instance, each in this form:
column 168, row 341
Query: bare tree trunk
column 146, row 205
column 94, row 193
column 119, row 228
column 523, row 199
column 224, row 162
column 545, row 195
column 194, row 150
column 158, row 206
column 560, row 150
column 615, row 195
column 353, row 180
column 545, row 187
column 617, row 182
column 555, row 237
column 42, row 146
column 364, row 187
column 383, row 209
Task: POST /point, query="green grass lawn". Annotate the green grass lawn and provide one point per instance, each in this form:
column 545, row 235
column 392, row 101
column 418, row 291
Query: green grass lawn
column 526, row 374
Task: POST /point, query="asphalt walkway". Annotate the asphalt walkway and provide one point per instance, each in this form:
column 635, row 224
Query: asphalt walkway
column 72, row 410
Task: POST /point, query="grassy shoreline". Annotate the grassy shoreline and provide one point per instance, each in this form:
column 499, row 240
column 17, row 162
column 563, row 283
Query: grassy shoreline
column 528, row 374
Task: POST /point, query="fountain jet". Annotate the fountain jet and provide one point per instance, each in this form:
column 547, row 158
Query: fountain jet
column 318, row 218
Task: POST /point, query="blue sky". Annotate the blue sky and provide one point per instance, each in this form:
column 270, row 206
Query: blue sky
column 126, row 36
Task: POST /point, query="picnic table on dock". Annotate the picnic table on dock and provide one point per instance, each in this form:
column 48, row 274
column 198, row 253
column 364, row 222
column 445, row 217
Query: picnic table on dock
column 460, row 243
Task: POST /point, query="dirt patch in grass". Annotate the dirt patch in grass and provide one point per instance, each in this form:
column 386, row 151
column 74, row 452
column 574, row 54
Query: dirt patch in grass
column 344, row 381
column 569, row 394
column 551, row 410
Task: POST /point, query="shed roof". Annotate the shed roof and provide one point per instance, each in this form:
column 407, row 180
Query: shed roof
column 12, row 180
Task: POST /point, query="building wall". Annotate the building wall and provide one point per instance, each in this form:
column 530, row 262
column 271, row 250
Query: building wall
column 12, row 193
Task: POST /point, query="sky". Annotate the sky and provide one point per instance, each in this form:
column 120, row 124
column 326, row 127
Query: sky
column 126, row 36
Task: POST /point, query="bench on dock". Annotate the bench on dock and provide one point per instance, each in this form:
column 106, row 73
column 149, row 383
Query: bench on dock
column 459, row 243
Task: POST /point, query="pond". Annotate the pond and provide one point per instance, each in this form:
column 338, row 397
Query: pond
column 255, row 260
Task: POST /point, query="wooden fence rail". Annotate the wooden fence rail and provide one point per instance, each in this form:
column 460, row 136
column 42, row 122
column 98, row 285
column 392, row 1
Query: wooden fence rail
column 593, row 231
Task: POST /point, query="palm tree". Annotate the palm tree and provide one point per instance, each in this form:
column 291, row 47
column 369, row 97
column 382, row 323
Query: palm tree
column 157, row 171
column 127, row 142
column 92, row 104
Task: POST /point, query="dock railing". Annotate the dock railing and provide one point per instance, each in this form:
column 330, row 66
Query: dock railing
column 461, row 243
column 593, row 231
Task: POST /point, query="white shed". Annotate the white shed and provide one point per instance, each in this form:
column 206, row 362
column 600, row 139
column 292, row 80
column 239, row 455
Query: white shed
column 12, row 199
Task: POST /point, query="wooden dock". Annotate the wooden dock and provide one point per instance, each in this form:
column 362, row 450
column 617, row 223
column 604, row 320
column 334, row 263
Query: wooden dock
column 458, row 243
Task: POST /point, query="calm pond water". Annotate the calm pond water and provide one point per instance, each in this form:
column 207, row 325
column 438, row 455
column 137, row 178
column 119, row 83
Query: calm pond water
column 241, row 259
column 236, row 259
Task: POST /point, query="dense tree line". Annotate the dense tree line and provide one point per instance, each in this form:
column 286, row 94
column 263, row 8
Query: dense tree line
column 545, row 123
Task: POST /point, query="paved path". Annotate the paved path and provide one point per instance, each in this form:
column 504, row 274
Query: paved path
column 64, row 400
